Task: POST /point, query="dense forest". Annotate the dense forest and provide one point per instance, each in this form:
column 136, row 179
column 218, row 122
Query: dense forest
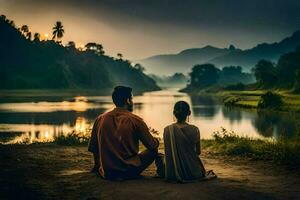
column 175, row 80
column 28, row 61
column 231, row 56
column 207, row 75
column 285, row 74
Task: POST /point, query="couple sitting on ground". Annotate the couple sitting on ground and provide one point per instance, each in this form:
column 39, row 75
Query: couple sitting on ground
column 115, row 144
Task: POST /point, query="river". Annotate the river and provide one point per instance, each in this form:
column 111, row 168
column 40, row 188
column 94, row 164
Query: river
column 41, row 120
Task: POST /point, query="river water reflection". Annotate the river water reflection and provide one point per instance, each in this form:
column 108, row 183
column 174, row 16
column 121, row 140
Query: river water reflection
column 41, row 120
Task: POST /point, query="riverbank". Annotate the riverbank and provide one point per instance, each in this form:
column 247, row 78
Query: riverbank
column 54, row 95
column 51, row 171
column 250, row 98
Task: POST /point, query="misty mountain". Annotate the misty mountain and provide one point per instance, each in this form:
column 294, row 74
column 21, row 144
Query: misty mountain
column 185, row 60
column 177, row 80
column 181, row 62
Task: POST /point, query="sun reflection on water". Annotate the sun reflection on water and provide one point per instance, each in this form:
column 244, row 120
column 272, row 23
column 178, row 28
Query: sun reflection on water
column 45, row 133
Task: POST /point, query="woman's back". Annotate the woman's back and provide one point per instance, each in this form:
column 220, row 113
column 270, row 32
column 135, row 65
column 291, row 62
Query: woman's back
column 182, row 161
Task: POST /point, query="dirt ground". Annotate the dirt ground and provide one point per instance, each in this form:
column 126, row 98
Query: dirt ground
column 48, row 171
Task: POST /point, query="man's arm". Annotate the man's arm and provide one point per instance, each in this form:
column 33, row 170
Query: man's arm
column 93, row 143
column 145, row 136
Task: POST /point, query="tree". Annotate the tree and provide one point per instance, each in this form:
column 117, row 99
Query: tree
column 100, row 50
column 232, row 47
column 203, row 76
column 120, row 56
column 71, row 45
column 28, row 35
column 36, row 37
column 24, row 30
column 94, row 47
column 12, row 23
column 58, row 31
column 265, row 73
column 232, row 70
column 297, row 82
column 3, row 17
column 139, row 67
column 287, row 66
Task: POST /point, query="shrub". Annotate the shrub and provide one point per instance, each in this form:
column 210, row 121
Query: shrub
column 270, row 100
column 283, row 151
column 231, row 101
column 72, row 139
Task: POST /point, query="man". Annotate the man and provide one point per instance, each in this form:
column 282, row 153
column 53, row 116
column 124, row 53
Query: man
column 115, row 140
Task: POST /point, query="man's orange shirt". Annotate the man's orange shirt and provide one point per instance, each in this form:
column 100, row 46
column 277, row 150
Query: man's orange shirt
column 116, row 135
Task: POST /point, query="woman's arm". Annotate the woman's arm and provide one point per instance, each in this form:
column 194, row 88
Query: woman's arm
column 198, row 146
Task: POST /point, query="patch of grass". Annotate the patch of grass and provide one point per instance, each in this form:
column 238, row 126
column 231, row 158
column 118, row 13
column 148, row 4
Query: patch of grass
column 72, row 139
column 283, row 151
column 251, row 98
column 247, row 104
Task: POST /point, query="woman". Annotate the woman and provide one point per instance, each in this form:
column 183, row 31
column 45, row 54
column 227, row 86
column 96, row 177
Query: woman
column 182, row 148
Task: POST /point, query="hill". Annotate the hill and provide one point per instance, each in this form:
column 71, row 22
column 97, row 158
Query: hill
column 181, row 62
column 185, row 60
column 35, row 64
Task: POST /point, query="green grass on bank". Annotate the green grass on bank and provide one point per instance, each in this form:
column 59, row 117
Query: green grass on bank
column 72, row 139
column 250, row 99
column 284, row 151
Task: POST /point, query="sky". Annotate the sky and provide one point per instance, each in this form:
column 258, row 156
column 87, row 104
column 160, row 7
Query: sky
column 143, row 28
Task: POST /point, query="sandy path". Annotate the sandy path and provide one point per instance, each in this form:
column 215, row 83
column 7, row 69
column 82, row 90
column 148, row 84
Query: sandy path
column 56, row 172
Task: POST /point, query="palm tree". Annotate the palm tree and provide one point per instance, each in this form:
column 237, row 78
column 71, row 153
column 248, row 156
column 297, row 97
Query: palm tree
column 58, row 31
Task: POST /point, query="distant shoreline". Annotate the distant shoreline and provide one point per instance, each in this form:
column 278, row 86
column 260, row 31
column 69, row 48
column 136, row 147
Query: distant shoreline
column 9, row 94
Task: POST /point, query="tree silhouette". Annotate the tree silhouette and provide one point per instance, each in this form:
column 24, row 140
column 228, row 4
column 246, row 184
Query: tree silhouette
column 12, row 23
column 71, row 45
column 3, row 17
column 297, row 81
column 287, row 66
column 28, row 35
column 204, row 75
column 120, row 56
column 139, row 67
column 94, row 47
column 100, row 49
column 36, row 37
column 24, row 30
column 58, row 31
column 265, row 73
column 232, row 47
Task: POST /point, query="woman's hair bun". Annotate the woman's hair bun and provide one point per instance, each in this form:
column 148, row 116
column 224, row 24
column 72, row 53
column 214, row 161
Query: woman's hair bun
column 181, row 110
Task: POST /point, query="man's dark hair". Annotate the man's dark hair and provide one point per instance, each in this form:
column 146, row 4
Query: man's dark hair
column 121, row 94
